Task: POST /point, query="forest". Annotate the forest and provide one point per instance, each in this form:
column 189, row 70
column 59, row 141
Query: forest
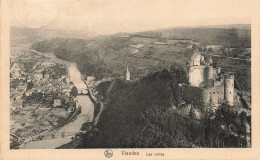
column 136, row 115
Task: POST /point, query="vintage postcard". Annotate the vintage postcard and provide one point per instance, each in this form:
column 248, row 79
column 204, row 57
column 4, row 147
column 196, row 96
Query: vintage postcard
column 130, row 79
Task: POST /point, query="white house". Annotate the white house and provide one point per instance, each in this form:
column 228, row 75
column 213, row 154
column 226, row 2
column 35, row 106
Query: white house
column 57, row 102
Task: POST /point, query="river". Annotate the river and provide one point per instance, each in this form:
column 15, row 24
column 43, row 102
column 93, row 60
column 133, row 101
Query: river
column 86, row 115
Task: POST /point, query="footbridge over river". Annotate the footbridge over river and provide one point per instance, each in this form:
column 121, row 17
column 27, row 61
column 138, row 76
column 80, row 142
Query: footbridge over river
column 82, row 91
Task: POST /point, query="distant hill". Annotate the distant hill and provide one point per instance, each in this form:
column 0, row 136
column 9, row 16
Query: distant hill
column 20, row 36
column 144, row 52
column 230, row 35
column 233, row 34
column 109, row 56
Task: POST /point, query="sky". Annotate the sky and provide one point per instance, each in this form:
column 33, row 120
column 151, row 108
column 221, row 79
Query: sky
column 112, row 16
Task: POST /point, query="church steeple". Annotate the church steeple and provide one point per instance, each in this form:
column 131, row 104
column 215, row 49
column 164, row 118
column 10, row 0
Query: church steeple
column 127, row 74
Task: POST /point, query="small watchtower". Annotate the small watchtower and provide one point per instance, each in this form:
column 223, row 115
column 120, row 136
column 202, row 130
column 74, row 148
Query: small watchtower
column 229, row 88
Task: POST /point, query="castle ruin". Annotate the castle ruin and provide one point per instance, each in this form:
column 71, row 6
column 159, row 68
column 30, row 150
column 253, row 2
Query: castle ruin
column 207, row 86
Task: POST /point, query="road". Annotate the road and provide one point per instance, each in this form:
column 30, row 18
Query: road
column 46, row 144
column 215, row 55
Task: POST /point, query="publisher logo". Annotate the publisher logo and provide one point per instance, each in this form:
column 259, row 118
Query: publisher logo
column 108, row 153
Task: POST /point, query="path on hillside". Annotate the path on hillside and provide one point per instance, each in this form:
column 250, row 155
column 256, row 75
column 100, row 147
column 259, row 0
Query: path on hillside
column 215, row 55
column 102, row 104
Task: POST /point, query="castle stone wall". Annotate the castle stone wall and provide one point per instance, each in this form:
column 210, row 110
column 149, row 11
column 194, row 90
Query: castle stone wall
column 213, row 95
column 203, row 96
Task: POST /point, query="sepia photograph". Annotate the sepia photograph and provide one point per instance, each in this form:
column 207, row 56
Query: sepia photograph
column 129, row 75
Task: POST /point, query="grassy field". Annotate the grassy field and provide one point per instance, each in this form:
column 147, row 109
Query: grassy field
column 242, row 70
column 32, row 120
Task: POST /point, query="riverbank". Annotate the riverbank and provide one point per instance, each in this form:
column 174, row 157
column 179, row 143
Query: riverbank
column 76, row 140
column 99, row 107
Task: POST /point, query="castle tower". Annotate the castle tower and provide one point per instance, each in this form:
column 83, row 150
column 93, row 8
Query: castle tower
column 196, row 58
column 209, row 72
column 208, row 60
column 229, row 89
column 209, row 76
column 127, row 74
column 196, row 70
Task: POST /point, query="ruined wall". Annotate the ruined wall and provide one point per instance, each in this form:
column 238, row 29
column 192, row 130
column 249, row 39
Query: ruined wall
column 218, row 82
column 213, row 95
column 203, row 96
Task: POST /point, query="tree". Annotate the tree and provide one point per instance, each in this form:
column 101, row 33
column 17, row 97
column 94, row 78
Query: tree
column 200, row 49
column 210, row 50
column 204, row 49
column 14, row 83
column 74, row 91
column 194, row 46
column 29, row 85
column 43, row 73
column 151, row 50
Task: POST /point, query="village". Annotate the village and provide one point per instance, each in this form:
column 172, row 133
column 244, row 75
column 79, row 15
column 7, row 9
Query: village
column 41, row 94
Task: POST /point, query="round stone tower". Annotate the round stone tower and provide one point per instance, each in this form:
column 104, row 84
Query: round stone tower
column 209, row 72
column 229, row 88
